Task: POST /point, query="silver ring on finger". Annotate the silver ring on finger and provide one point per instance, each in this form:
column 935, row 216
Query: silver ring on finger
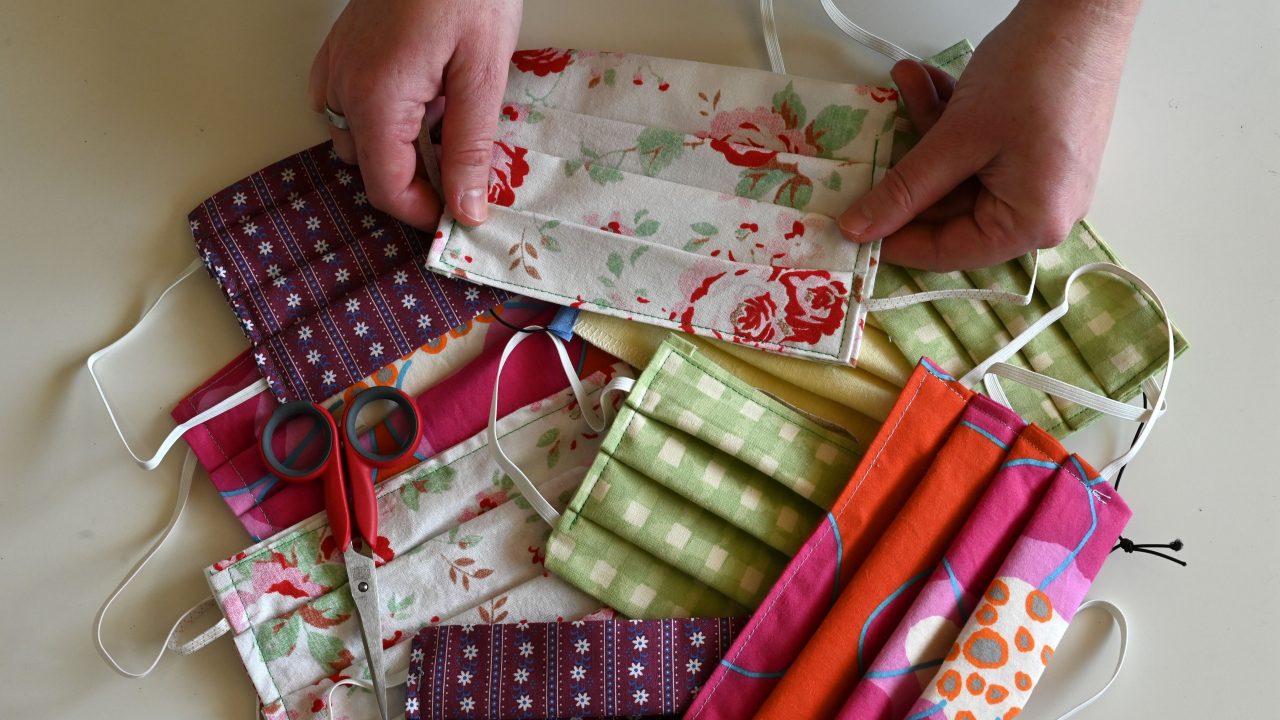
column 336, row 119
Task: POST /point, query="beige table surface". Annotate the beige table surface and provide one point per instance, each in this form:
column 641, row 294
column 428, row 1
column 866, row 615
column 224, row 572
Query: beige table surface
column 116, row 118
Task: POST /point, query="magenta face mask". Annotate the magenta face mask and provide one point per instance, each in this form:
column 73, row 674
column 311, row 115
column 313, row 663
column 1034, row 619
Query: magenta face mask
column 226, row 445
column 327, row 288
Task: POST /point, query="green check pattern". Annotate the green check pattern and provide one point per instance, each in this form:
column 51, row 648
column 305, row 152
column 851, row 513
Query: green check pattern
column 703, row 490
column 1112, row 339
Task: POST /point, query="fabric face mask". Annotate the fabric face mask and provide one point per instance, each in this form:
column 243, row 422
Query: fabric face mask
column 703, row 489
column 1108, row 346
column 1000, row 654
column 326, row 288
column 912, row 654
column 917, row 429
column 593, row 148
column 585, row 668
column 458, row 546
column 884, row 585
column 458, row 368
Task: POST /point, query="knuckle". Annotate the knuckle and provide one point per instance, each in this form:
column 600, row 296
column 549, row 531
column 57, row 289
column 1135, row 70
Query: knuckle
column 895, row 191
column 471, row 154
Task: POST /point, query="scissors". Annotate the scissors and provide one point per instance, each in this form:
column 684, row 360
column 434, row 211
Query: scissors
column 347, row 460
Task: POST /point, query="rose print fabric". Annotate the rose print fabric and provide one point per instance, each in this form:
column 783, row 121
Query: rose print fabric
column 880, row 592
column 452, row 410
column 1112, row 340
column 919, row 426
column 703, row 489
column 585, row 668
column 592, row 148
column 327, row 288
column 1004, row 647
column 458, row 544
column 920, row 641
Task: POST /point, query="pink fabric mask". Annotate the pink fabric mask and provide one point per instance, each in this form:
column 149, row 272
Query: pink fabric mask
column 452, row 410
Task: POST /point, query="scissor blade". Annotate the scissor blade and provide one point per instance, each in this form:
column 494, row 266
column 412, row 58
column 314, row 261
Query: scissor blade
column 364, row 591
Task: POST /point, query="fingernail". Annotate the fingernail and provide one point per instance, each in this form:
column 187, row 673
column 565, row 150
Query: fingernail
column 855, row 222
column 475, row 205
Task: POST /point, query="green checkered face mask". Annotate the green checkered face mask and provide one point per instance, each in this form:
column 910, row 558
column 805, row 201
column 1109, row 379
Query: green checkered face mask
column 702, row 491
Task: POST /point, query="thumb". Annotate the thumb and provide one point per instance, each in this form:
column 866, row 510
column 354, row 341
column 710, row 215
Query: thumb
column 942, row 160
column 473, row 96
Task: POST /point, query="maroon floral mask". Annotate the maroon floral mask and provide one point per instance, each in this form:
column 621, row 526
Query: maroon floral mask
column 327, row 288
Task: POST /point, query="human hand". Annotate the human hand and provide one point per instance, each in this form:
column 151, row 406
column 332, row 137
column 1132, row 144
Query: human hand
column 383, row 62
column 1009, row 155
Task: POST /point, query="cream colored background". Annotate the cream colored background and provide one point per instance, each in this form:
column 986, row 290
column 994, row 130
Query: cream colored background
column 116, row 118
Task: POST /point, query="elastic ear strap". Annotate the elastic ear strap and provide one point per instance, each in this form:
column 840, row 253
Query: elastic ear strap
column 184, row 491
column 996, row 365
column 986, row 294
column 393, row 680
column 522, row 481
column 855, row 31
column 173, row 436
column 1118, row 616
column 771, row 43
column 596, row 422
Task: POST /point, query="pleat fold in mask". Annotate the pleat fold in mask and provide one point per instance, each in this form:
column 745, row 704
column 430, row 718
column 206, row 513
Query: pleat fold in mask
column 691, row 196
column 327, row 288
column 703, row 489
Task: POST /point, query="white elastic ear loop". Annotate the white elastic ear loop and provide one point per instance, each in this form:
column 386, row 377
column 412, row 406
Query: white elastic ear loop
column 223, row 406
column 855, row 31
column 1012, row 297
column 859, row 34
column 1118, row 616
column 996, row 365
column 393, row 679
column 597, row 423
column 204, row 638
column 771, row 44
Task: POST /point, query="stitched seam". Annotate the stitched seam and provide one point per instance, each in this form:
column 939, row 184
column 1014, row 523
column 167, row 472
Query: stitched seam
column 253, row 632
column 845, row 505
column 768, row 403
column 662, row 321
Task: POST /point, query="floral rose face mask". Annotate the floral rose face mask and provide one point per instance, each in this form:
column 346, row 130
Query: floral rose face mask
column 691, row 196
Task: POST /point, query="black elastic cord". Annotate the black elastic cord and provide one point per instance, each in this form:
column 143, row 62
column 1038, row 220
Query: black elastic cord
column 1130, row 546
column 1136, row 433
column 498, row 317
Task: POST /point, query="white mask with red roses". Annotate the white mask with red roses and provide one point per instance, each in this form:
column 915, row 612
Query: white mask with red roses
column 691, row 196
column 458, row 544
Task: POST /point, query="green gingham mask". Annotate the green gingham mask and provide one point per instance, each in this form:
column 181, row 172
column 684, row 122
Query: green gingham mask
column 702, row 491
column 1112, row 341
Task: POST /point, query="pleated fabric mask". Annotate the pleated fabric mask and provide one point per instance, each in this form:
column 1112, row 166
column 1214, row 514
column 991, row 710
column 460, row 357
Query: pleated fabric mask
column 911, row 656
column 902, row 453
column 458, row 545
column 999, row 656
column 1109, row 345
column 887, row 581
column 702, row 490
column 592, row 148
column 327, row 288
column 447, row 378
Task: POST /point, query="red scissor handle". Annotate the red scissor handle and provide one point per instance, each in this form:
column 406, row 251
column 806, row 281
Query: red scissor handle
column 361, row 463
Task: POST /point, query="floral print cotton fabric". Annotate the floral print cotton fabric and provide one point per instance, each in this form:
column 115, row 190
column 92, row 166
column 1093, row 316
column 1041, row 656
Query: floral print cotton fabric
column 692, row 196
column 458, row 544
